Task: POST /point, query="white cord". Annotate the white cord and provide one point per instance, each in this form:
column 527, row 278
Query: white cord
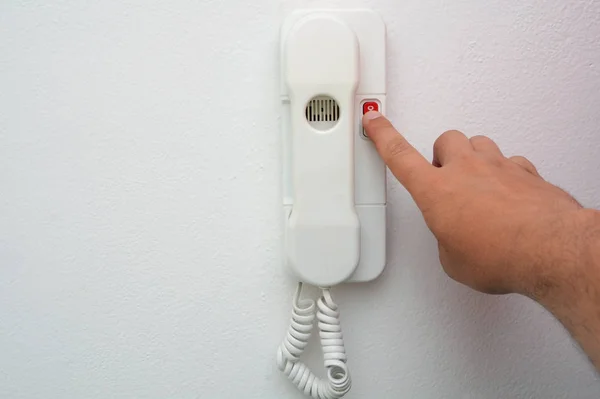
column 338, row 380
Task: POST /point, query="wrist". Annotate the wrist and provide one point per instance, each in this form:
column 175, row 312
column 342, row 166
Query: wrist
column 572, row 294
column 571, row 248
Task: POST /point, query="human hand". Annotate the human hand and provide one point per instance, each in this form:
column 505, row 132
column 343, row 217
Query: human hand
column 500, row 227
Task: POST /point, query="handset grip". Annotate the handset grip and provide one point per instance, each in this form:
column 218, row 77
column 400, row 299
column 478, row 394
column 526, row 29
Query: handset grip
column 323, row 236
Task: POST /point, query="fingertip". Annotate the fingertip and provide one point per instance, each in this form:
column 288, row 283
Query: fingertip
column 371, row 115
column 375, row 124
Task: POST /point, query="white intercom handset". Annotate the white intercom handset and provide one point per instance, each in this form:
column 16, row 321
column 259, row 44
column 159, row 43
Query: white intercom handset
column 332, row 72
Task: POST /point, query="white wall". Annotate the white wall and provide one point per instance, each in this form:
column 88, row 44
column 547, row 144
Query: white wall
column 140, row 208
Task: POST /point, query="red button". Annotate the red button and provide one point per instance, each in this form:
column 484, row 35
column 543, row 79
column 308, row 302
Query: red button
column 370, row 106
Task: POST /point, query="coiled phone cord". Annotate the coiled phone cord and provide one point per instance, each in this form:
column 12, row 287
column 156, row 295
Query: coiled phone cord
column 338, row 380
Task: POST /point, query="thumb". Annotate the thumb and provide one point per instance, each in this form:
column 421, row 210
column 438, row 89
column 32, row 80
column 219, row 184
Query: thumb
column 405, row 162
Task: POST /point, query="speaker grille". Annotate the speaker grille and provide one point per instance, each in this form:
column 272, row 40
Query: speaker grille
column 322, row 109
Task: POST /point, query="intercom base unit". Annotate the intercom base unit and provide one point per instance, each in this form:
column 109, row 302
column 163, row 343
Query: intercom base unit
column 334, row 182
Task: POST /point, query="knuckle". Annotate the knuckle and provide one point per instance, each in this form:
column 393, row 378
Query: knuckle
column 446, row 137
column 452, row 133
column 524, row 162
column 480, row 139
column 440, row 140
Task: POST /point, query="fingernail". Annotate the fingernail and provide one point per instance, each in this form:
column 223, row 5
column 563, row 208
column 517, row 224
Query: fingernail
column 372, row 115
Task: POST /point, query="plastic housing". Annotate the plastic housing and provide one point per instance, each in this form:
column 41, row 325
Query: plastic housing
column 334, row 181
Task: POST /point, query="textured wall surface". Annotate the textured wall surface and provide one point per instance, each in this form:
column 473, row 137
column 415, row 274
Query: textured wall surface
column 140, row 212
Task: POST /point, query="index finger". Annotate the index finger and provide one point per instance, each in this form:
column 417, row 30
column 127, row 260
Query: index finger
column 405, row 162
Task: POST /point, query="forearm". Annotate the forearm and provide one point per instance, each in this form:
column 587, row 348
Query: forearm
column 572, row 294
